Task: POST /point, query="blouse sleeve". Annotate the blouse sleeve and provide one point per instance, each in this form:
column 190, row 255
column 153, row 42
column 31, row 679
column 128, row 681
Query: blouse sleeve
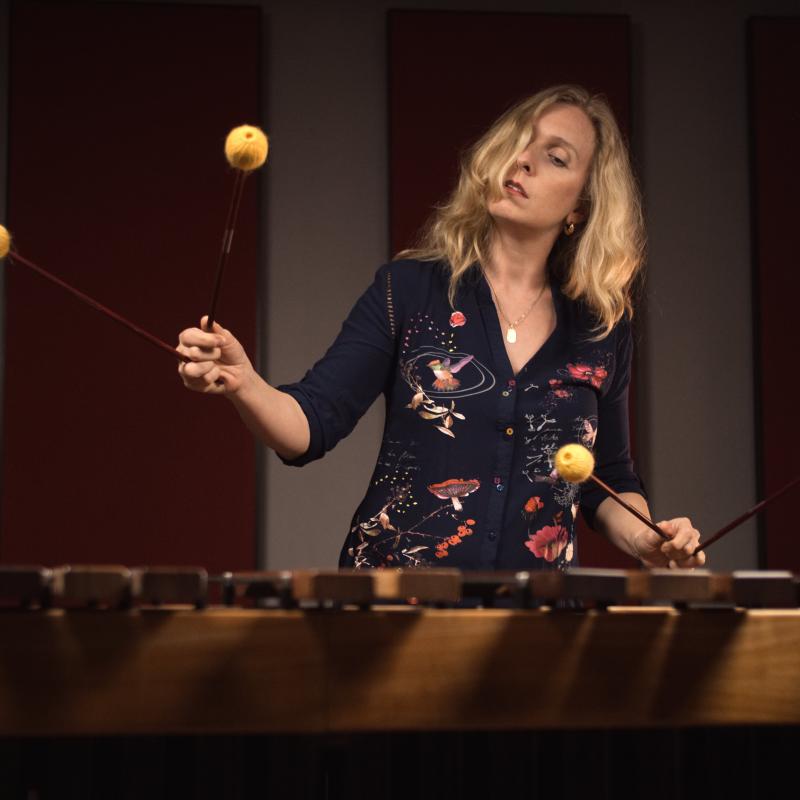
column 612, row 455
column 343, row 384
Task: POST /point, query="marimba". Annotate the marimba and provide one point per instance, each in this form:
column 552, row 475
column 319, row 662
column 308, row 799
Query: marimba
column 147, row 651
column 358, row 661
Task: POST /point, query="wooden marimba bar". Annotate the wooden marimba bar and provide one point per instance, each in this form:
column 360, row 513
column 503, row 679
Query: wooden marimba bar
column 109, row 650
column 119, row 587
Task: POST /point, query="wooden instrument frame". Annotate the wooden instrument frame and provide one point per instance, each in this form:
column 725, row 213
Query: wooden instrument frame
column 223, row 670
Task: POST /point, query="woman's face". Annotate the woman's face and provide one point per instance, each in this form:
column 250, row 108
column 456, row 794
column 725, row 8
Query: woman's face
column 543, row 190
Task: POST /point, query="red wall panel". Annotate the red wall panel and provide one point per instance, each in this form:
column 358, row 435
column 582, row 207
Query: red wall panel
column 451, row 74
column 118, row 184
column 775, row 129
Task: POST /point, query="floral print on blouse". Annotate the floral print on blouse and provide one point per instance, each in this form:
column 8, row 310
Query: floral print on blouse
column 465, row 476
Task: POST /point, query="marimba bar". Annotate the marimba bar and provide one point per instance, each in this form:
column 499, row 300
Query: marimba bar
column 170, row 585
column 120, row 587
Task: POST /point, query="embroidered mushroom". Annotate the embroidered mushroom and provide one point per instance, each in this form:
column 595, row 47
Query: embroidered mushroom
column 453, row 489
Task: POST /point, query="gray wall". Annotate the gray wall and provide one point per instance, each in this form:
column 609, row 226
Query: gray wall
column 326, row 209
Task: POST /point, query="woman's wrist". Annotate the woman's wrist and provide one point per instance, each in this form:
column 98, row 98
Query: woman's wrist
column 621, row 528
column 247, row 389
column 642, row 547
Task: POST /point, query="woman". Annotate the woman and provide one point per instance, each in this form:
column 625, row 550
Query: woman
column 505, row 335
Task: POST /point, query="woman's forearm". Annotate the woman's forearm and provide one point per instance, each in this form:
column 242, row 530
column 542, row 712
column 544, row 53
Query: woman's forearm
column 275, row 417
column 619, row 526
column 631, row 536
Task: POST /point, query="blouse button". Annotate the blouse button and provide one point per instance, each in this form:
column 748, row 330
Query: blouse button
column 499, row 487
column 509, row 431
column 491, row 536
column 506, row 393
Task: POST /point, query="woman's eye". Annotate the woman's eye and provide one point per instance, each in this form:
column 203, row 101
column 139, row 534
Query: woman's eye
column 557, row 161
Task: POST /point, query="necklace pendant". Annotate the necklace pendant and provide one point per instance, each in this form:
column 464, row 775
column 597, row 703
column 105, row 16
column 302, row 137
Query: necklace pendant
column 511, row 336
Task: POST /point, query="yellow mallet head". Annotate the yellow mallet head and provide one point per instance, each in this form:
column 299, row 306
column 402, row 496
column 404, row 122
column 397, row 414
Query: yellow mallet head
column 574, row 463
column 5, row 242
column 246, row 148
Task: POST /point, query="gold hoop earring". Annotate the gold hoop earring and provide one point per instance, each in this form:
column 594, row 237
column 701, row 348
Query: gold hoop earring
column 569, row 228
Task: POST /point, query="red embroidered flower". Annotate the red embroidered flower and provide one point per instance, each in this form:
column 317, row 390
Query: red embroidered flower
column 548, row 542
column 441, row 553
column 457, row 319
column 562, row 393
column 585, row 372
column 555, row 382
column 470, row 522
column 454, row 540
column 533, row 505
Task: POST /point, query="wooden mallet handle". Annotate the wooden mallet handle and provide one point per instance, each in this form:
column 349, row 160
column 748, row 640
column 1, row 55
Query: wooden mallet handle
column 628, row 507
column 575, row 464
column 17, row 258
column 747, row 514
column 227, row 241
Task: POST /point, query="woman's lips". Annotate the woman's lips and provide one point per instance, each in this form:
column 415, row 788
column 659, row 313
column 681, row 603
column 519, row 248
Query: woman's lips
column 515, row 188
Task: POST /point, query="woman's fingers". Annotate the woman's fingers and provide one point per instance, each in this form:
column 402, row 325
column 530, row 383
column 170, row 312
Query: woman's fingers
column 696, row 560
column 201, row 354
column 219, row 345
column 195, row 338
column 216, row 362
column 200, row 376
column 204, row 324
column 197, row 369
column 680, row 549
column 689, row 563
column 211, row 377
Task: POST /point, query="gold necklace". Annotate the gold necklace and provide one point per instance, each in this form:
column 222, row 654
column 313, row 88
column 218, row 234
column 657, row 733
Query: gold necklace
column 511, row 333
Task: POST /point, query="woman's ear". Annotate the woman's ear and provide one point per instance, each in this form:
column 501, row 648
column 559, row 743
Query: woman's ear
column 576, row 216
column 580, row 212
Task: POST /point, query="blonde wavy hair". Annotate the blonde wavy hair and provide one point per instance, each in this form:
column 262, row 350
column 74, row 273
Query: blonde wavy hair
column 598, row 264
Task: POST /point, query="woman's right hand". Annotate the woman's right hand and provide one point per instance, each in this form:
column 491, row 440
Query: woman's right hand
column 219, row 364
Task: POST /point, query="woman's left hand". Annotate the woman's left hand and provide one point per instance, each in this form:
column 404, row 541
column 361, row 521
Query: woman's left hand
column 677, row 552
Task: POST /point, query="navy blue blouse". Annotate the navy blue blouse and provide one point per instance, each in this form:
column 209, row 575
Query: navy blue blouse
column 465, row 472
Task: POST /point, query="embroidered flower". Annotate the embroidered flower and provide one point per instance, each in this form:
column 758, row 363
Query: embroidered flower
column 585, row 372
column 454, row 540
column 533, row 505
column 548, row 542
column 457, row 319
column 562, row 393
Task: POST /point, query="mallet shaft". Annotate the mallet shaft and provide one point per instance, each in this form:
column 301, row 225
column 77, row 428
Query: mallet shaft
column 17, row 258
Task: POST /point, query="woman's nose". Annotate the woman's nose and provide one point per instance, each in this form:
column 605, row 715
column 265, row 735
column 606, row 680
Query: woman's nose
column 524, row 162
